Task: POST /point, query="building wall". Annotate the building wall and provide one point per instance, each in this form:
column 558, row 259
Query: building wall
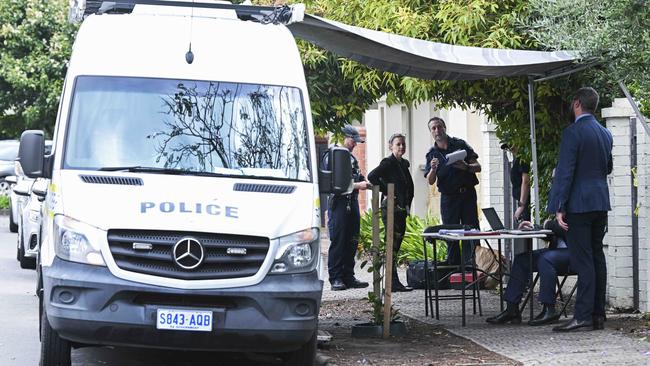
column 385, row 120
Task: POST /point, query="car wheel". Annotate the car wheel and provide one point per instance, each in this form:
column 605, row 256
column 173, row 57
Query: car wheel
column 55, row 351
column 18, row 246
column 13, row 226
column 25, row 262
column 305, row 355
column 5, row 188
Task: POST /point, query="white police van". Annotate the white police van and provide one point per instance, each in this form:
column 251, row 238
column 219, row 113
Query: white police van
column 183, row 204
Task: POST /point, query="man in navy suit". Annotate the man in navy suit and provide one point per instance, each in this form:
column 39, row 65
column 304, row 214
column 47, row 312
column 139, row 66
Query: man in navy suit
column 580, row 200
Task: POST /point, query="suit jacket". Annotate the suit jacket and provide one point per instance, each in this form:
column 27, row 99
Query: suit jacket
column 391, row 170
column 580, row 183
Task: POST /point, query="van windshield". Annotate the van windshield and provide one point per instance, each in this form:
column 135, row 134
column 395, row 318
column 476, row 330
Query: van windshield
column 188, row 126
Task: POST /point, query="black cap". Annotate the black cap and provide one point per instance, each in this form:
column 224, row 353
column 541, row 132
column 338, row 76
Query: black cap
column 351, row 132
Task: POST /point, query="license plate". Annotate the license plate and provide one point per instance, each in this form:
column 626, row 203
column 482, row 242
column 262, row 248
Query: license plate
column 192, row 320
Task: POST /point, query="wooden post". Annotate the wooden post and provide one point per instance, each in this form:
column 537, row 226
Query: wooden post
column 390, row 219
column 376, row 261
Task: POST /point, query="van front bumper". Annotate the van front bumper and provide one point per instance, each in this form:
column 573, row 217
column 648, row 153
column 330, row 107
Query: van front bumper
column 88, row 305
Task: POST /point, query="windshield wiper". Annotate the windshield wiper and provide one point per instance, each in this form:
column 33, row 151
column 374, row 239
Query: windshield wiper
column 151, row 169
column 141, row 169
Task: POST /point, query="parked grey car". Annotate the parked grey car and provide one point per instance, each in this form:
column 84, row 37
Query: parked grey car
column 17, row 202
column 8, row 154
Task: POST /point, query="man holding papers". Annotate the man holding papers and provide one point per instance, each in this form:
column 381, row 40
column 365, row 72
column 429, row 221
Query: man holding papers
column 452, row 163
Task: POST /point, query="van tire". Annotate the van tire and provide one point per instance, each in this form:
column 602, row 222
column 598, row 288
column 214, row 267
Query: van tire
column 25, row 262
column 13, row 226
column 305, row 355
column 55, row 351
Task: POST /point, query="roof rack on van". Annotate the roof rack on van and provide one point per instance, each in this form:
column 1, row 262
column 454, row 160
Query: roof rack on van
column 285, row 14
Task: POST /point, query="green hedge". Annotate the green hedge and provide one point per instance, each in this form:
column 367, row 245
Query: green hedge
column 4, row 202
column 411, row 248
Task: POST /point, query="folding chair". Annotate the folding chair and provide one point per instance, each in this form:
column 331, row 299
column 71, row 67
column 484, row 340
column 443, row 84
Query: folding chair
column 558, row 293
column 566, row 302
column 431, row 298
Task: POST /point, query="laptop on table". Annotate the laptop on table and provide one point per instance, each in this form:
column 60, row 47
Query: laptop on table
column 497, row 225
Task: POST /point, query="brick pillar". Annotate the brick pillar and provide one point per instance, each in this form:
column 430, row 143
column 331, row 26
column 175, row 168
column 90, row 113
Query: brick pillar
column 491, row 172
column 618, row 240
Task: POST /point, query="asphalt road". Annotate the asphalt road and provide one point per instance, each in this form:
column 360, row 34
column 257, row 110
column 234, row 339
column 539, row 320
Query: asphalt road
column 19, row 340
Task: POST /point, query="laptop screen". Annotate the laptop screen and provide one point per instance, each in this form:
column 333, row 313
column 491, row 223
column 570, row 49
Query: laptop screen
column 493, row 218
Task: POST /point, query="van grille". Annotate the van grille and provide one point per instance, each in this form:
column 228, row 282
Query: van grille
column 103, row 179
column 159, row 261
column 263, row 188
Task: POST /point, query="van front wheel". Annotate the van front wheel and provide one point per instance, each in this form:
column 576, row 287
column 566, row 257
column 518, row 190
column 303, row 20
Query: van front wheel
column 305, row 355
column 55, row 351
column 13, row 226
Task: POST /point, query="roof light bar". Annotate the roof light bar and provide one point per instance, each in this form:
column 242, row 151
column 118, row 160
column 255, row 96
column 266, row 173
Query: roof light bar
column 266, row 14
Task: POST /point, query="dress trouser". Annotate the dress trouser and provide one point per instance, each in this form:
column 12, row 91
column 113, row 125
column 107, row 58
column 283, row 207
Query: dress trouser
column 585, row 241
column 343, row 225
column 459, row 209
column 548, row 263
column 399, row 228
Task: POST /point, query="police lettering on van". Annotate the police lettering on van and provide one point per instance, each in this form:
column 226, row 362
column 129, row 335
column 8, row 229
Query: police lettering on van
column 185, row 207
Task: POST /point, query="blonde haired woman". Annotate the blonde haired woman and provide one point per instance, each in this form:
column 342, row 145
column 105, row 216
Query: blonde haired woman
column 395, row 169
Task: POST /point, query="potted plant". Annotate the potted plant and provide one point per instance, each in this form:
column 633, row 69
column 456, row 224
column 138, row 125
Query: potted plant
column 375, row 328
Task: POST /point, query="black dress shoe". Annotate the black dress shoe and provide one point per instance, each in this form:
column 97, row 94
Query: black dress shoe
column 510, row 315
column 573, row 325
column 398, row 287
column 338, row 285
column 547, row 316
column 598, row 322
column 354, row 283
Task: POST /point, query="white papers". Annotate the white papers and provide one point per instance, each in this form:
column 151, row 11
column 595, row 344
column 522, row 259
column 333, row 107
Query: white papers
column 456, row 156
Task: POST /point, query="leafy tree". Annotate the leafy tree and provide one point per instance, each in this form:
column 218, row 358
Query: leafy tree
column 480, row 23
column 35, row 40
column 616, row 33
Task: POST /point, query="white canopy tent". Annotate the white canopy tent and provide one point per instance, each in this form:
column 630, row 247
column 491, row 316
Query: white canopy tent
column 438, row 61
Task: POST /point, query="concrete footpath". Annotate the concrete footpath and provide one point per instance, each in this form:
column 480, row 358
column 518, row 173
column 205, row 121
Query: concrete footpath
column 523, row 343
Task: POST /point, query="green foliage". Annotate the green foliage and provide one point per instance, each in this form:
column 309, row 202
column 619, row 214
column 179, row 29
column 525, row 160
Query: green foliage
column 36, row 42
column 4, row 201
column 411, row 248
column 616, row 33
column 378, row 309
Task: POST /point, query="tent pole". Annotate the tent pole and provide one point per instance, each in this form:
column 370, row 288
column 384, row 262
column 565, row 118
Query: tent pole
column 533, row 143
column 641, row 118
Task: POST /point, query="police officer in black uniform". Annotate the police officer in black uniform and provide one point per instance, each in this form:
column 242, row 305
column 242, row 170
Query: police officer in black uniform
column 455, row 182
column 344, row 223
column 520, row 180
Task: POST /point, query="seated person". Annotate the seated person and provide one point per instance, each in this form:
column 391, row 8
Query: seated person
column 548, row 262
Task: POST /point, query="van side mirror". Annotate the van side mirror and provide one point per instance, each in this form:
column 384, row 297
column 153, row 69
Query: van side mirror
column 23, row 188
column 335, row 174
column 11, row 179
column 31, row 153
column 40, row 188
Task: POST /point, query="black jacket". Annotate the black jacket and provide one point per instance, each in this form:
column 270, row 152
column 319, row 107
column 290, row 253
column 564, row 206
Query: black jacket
column 391, row 170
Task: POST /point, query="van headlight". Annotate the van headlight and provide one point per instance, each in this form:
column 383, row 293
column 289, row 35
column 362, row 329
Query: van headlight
column 297, row 252
column 76, row 241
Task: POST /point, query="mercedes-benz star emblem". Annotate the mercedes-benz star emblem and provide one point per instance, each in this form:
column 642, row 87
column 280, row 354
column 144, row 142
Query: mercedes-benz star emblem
column 188, row 253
